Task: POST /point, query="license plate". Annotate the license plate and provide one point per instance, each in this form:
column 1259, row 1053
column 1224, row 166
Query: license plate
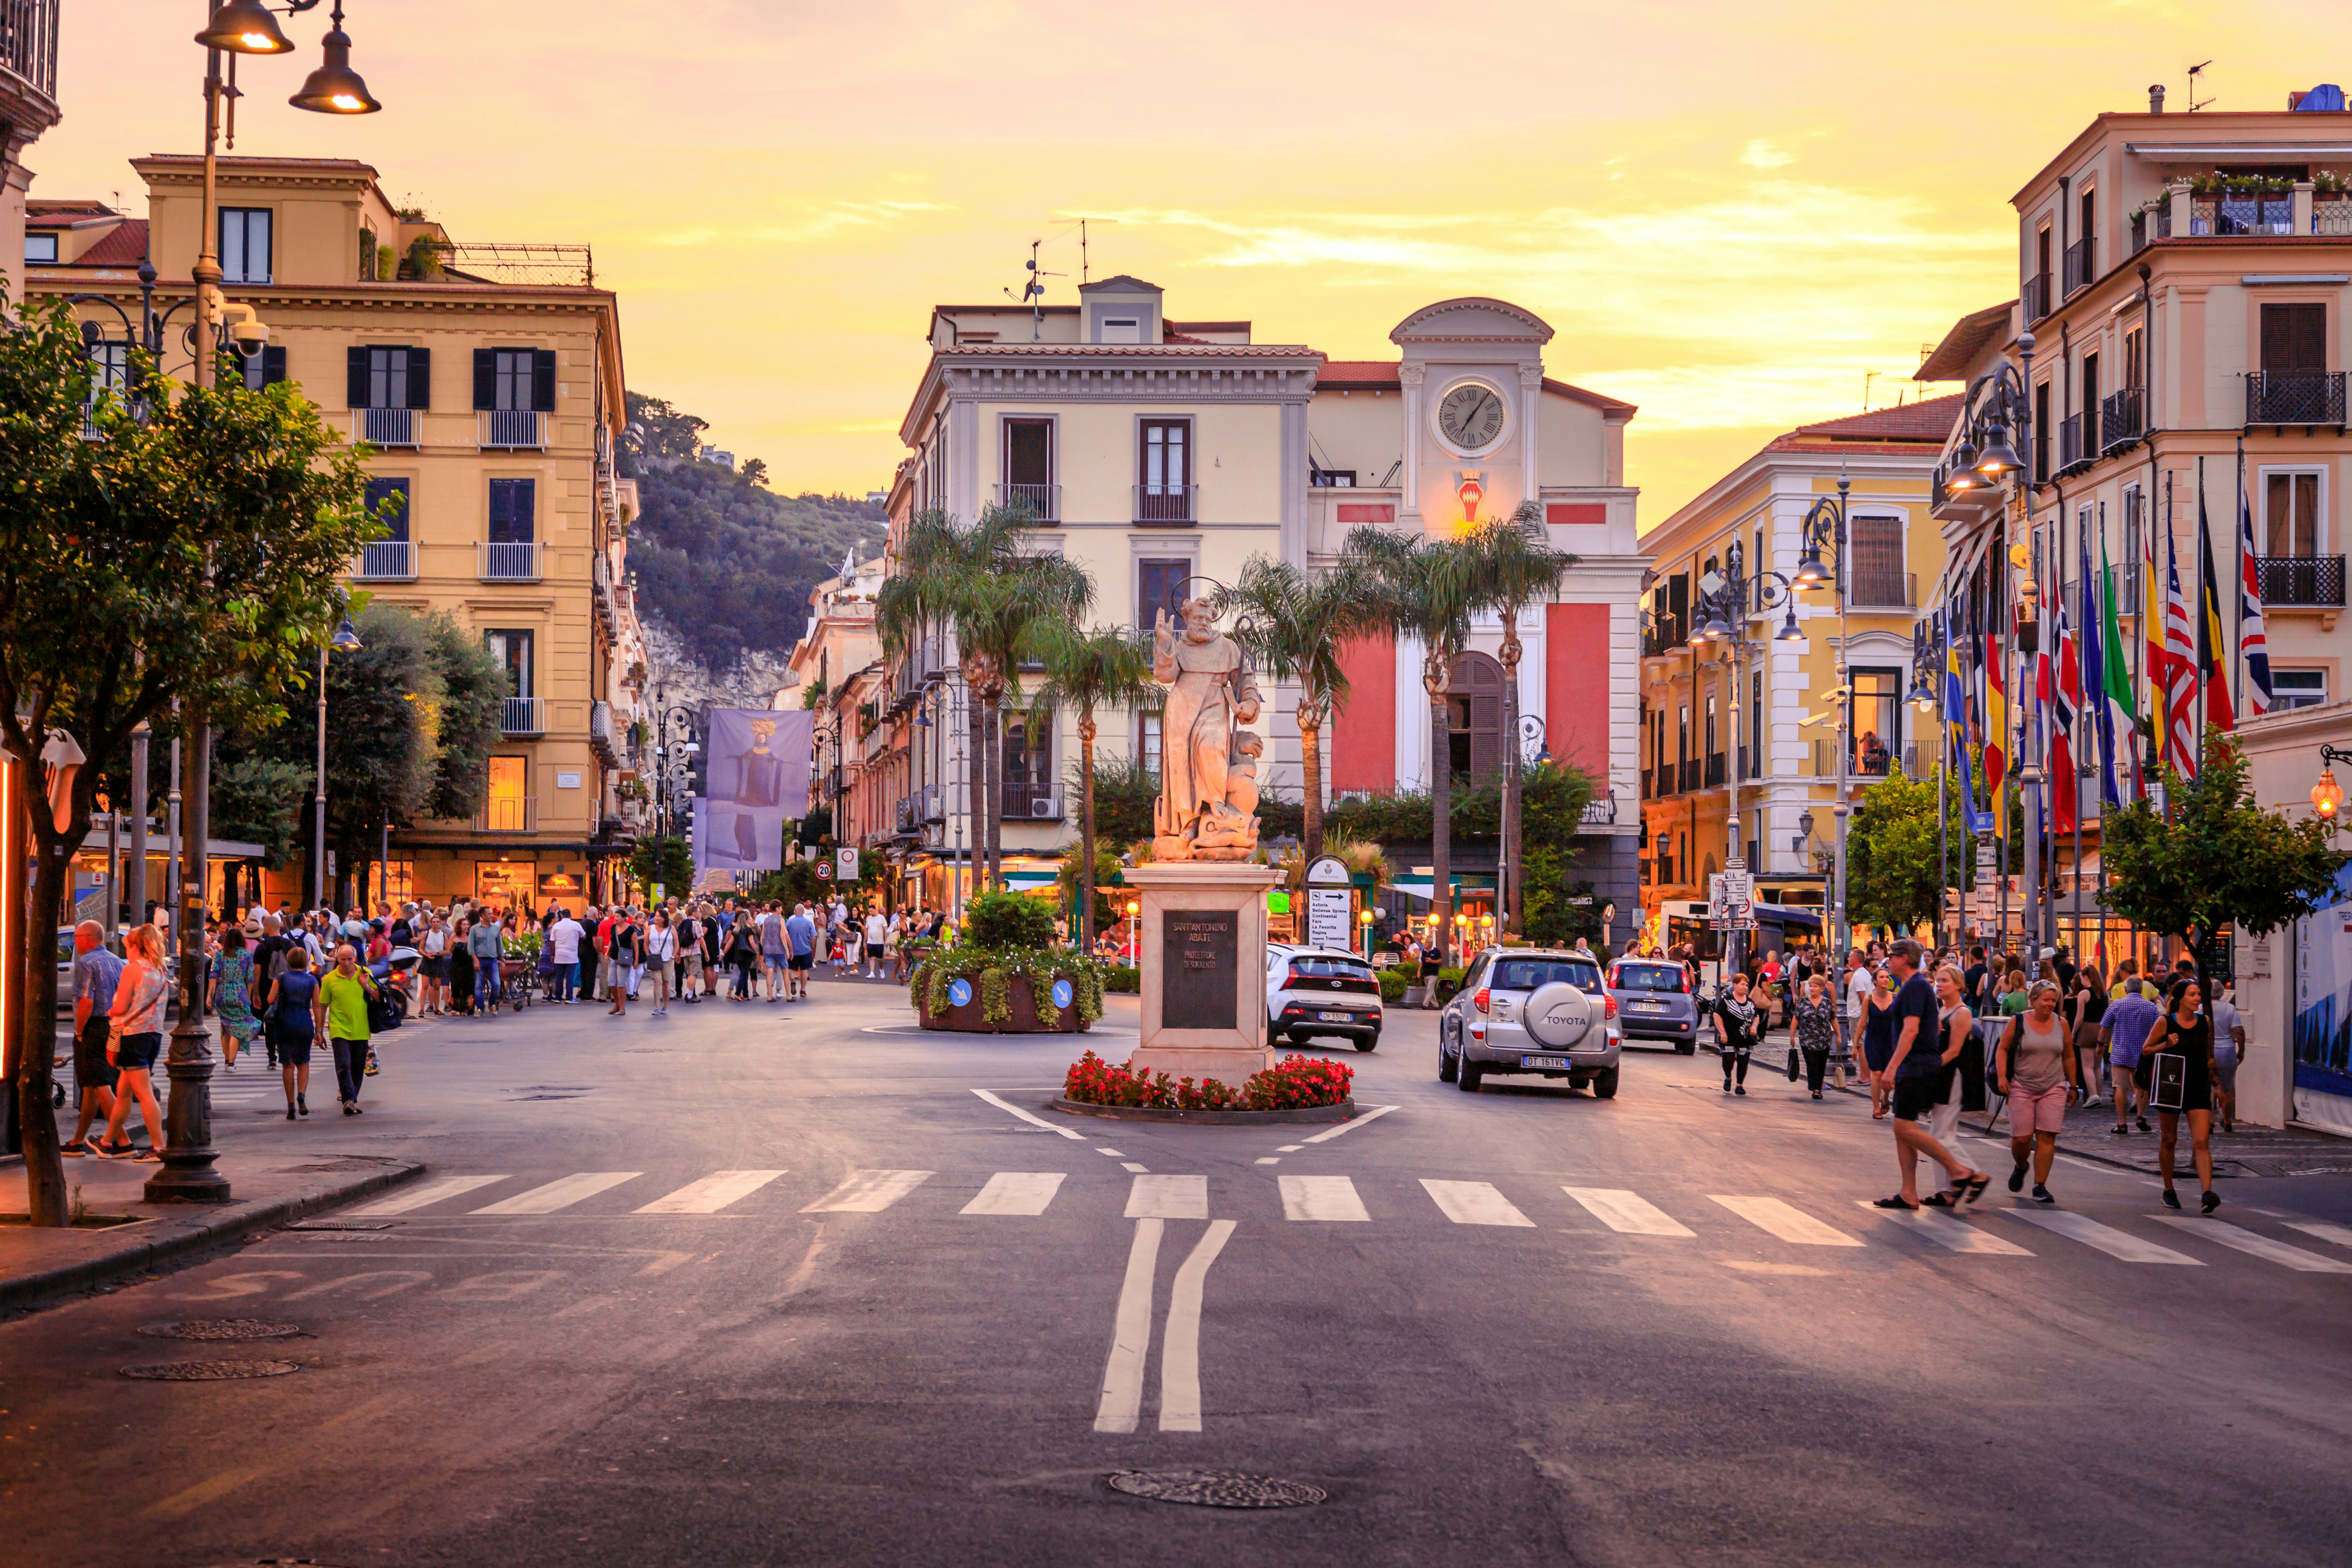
column 1335, row 1017
column 1543, row 1061
column 1649, row 1006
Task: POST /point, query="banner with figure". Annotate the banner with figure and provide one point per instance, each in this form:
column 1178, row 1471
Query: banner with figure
column 755, row 779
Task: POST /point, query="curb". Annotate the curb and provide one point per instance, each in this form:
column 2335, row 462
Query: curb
column 1343, row 1111
column 240, row 1220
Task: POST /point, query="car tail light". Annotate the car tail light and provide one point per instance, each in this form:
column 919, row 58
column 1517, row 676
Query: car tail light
column 1609, row 1007
column 1479, row 1001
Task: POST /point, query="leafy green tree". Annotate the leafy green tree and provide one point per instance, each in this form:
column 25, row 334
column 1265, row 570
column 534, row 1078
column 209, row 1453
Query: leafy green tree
column 1295, row 622
column 657, row 430
column 1086, row 670
column 1008, row 919
column 1516, row 566
column 187, row 554
column 665, row 862
column 1124, row 793
column 1426, row 588
column 1894, row 874
column 2220, row 859
column 474, row 689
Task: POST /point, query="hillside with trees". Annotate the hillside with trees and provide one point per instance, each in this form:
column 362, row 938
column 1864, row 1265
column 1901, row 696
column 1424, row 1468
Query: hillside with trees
column 723, row 563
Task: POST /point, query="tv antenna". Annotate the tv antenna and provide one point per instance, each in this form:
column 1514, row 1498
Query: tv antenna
column 1033, row 291
column 1867, row 377
column 2194, row 104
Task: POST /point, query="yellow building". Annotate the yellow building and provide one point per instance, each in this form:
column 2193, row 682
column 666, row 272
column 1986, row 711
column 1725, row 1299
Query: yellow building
column 487, row 379
column 1740, row 741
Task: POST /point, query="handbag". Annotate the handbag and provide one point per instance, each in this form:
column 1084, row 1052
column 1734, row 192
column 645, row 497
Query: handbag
column 2170, row 1088
column 1792, row 1064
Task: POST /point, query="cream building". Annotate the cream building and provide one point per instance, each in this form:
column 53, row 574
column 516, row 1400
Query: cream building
column 487, row 380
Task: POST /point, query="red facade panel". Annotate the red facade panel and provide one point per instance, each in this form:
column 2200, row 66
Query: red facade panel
column 1576, row 685
column 1362, row 738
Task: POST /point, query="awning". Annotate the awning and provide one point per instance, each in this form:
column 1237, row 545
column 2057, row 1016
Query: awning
column 1789, row 916
column 1464, row 882
column 1028, row 882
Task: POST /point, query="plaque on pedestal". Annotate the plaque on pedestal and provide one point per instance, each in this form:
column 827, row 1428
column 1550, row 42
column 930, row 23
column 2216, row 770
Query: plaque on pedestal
column 1203, row 980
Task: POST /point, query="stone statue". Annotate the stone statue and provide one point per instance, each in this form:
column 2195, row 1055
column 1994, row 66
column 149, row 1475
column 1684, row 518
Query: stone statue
column 1207, row 808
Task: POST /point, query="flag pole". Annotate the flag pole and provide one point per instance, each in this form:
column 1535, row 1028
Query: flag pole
column 2238, row 585
column 2197, row 649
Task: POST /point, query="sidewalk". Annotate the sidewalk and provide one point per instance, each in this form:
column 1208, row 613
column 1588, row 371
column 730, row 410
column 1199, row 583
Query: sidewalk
column 2250, row 1151
column 38, row 1265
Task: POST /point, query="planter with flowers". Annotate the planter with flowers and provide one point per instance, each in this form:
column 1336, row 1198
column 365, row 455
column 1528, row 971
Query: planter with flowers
column 1005, row 977
column 1296, row 1088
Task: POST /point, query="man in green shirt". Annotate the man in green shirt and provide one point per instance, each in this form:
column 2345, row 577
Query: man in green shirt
column 340, row 1011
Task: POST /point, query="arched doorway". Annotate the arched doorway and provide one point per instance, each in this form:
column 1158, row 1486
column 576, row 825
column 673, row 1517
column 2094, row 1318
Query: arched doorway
column 1474, row 706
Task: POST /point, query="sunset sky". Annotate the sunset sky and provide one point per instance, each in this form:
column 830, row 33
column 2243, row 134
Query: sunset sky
column 1729, row 213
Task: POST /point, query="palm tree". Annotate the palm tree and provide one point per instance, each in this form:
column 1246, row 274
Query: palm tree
column 1428, row 588
column 1516, row 566
column 1108, row 667
column 975, row 581
column 1294, row 623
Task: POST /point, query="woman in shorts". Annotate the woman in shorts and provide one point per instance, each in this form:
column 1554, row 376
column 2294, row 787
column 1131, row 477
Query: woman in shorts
column 2035, row 1066
column 435, row 945
column 137, row 1028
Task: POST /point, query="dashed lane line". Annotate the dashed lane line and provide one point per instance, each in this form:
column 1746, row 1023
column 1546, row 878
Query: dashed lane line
column 1016, row 1192
column 1474, row 1203
column 1180, row 1355
column 1627, row 1212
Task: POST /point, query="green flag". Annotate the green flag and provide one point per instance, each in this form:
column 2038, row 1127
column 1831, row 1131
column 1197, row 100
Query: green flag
column 2118, row 670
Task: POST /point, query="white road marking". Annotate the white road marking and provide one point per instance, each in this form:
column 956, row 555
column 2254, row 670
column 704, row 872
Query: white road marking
column 1785, row 1221
column 2339, row 1234
column 1180, row 1355
column 1474, row 1203
column 423, row 1193
column 1130, row 1342
column 2260, row 1246
column 1374, row 1114
column 1168, row 1197
column 868, row 1192
column 1016, row 1192
column 1131, row 1166
column 1290, row 1148
column 561, row 1193
column 1322, row 1198
column 1271, row 1160
column 1948, row 1231
column 1034, row 1119
column 1112, row 1153
column 711, row 1194
column 1628, row 1212
column 2106, row 1238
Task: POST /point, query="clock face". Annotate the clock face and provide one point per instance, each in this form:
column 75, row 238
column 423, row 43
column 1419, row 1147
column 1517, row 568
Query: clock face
column 1471, row 417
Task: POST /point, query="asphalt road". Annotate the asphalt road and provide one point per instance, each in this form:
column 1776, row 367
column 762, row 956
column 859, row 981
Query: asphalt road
column 756, row 1284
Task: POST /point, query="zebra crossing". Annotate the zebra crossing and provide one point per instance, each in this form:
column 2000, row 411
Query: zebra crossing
column 1670, row 1219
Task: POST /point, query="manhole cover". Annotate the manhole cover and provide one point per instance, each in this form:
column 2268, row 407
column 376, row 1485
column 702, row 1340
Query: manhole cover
column 1216, row 1489
column 343, row 1225
column 210, row 1370
column 221, row 1329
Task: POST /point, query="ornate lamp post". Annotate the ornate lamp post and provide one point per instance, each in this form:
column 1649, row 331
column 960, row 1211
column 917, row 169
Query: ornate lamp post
column 2328, row 795
column 1928, row 645
column 1720, row 620
column 1825, row 529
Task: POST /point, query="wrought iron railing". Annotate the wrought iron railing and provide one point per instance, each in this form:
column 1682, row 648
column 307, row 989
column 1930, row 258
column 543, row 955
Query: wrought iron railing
column 1164, row 503
column 2295, row 397
column 2070, row 442
column 388, row 426
column 2081, row 264
column 509, row 561
column 387, row 561
column 2301, row 580
column 523, row 716
column 28, row 43
column 2035, row 297
column 1042, row 502
column 2123, row 418
column 512, row 429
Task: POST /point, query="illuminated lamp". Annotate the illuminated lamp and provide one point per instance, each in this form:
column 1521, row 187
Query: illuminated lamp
column 245, row 27
column 2326, row 796
column 334, row 87
column 2000, row 459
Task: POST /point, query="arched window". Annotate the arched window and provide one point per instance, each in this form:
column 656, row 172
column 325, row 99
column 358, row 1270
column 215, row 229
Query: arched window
column 1474, row 706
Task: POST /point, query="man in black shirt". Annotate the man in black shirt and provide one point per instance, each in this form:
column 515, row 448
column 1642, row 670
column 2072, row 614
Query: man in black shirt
column 1972, row 979
column 1915, row 1075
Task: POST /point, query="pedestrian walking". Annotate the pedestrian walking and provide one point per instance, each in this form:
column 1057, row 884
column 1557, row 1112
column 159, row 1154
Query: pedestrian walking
column 1818, row 1030
column 461, row 968
column 564, row 936
column 2228, row 1045
column 294, row 1025
column 340, row 1008
column 434, row 968
column 2086, row 1009
column 877, row 942
column 1735, row 1033
column 621, row 979
column 2035, row 1068
column 232, row 995
column 800, row 930
column 1931, row 1021
column 95, row 973
column 2125, row 1031
column 661, row 954
column 134, row 1040
column 690, row 956
column 486, row 941
column 775, row 953
column 1878, row 1027
column 743, row 958
column 2180, row 1052
column 714, row 924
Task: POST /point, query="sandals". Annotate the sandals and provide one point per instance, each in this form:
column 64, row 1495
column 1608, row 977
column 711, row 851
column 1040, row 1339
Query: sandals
column 1936, row 1201
column 1974, row 1185
column 1896, row 1202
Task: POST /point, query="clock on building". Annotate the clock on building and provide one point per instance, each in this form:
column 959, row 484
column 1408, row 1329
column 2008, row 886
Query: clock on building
column 1471, row 417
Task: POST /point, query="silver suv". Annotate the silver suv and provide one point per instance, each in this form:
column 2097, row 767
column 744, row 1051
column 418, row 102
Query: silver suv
column 1531, row 1010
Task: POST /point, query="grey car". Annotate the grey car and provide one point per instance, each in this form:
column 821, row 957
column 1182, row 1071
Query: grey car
column 1531, row 1010
column 1655, row 1001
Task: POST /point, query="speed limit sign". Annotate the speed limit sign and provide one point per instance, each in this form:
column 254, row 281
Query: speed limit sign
column 824, row 871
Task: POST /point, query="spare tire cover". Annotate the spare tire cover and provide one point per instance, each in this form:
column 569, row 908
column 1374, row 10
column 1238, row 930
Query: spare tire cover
column 1558, row 1014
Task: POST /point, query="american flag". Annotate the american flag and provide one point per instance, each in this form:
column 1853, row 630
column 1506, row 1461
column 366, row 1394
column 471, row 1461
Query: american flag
column 2180, row 669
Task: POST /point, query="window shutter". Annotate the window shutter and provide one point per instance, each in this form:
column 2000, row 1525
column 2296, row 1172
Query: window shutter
column 2294, row 339
column 486, row 378
column 542, row 380
column 355, row 370
column 273, row 366
column 420, row 378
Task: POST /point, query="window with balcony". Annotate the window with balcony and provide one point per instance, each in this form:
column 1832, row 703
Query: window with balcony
column 109, row 371
column 245, row 245
column 40, row 248
column 1029, row 469
column 514, row 391
column 2291, row 570
column 1877, row 722
column 1163, row 491
column 512, row 552
column 2091, row 445
column 395, row 555
column 2293, row 386
column 2041, row 432
column 1877, row 578
column 506, row 807
column 512, row 649
column 1159, row 586
column 1028, row 765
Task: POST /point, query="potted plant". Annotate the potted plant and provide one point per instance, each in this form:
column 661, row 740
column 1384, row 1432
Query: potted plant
column 1006, row 976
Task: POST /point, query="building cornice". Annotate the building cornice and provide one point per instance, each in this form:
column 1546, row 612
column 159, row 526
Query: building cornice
column 1109, row 373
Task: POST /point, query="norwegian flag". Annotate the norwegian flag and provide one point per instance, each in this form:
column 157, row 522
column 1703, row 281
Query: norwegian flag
column 2062, row 698
column 2253, row 647
column 2180, row 669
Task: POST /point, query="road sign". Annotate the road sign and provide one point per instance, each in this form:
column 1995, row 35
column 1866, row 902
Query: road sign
column 824, row 871
column 1328, row 912
column 845, row 864
column 1730, row 902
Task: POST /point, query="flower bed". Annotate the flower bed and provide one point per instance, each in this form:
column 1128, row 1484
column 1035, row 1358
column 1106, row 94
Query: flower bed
column 1296, row 1083
column 1006, row 992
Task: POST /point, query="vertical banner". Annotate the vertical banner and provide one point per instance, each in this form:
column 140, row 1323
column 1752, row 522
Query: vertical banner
column 2323, row 1013
column 756, row 778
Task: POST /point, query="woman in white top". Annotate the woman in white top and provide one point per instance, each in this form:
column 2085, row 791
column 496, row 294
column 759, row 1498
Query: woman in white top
column 435, row 945
column 661, row 951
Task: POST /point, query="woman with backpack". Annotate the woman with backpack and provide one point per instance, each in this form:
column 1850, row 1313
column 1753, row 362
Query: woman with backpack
column 2035, row 1068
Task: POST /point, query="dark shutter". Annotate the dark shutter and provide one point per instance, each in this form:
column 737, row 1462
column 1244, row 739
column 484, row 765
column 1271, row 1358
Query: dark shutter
column 273, row 366
column 542, row 380
column 486, row 378
column 510, row 512
column 2295, row 340
column 355, row 372
column 378, row 492
column 420, row 378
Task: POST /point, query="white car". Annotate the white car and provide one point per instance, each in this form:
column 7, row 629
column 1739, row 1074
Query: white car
column 1312, row 991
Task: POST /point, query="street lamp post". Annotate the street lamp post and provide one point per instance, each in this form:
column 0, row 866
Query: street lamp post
column 1928, row 648
column 231, row 28
column 346, row 640
column 1721, row 620
column 1824, row 527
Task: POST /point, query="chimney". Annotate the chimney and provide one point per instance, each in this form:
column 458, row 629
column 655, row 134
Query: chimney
column 2155, row 98
column 2294, row 97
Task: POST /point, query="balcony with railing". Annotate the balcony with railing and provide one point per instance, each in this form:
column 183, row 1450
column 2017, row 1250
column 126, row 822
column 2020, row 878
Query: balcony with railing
column 1715, row 772
column 2123, row 419
column 2081, row 264
column 1686, row 775
column 1032, row 802
column 2301, row 582
column 2295, row 397
column 2070, row 445
column 603, row 738
column 388, row 426
column 29, row 48
column 1166, row 505
column 1600, row 810
column 508, row 813
column 508, row 562
column 1041, row 502
column 2239, row 215
column 2034, row 297
column 1671, row 632
column 523, row 716
column 511, row 430
column 387, row 561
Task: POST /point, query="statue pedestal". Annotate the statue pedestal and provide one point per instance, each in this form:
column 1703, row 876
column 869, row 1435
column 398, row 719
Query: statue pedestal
column 1203, row 980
